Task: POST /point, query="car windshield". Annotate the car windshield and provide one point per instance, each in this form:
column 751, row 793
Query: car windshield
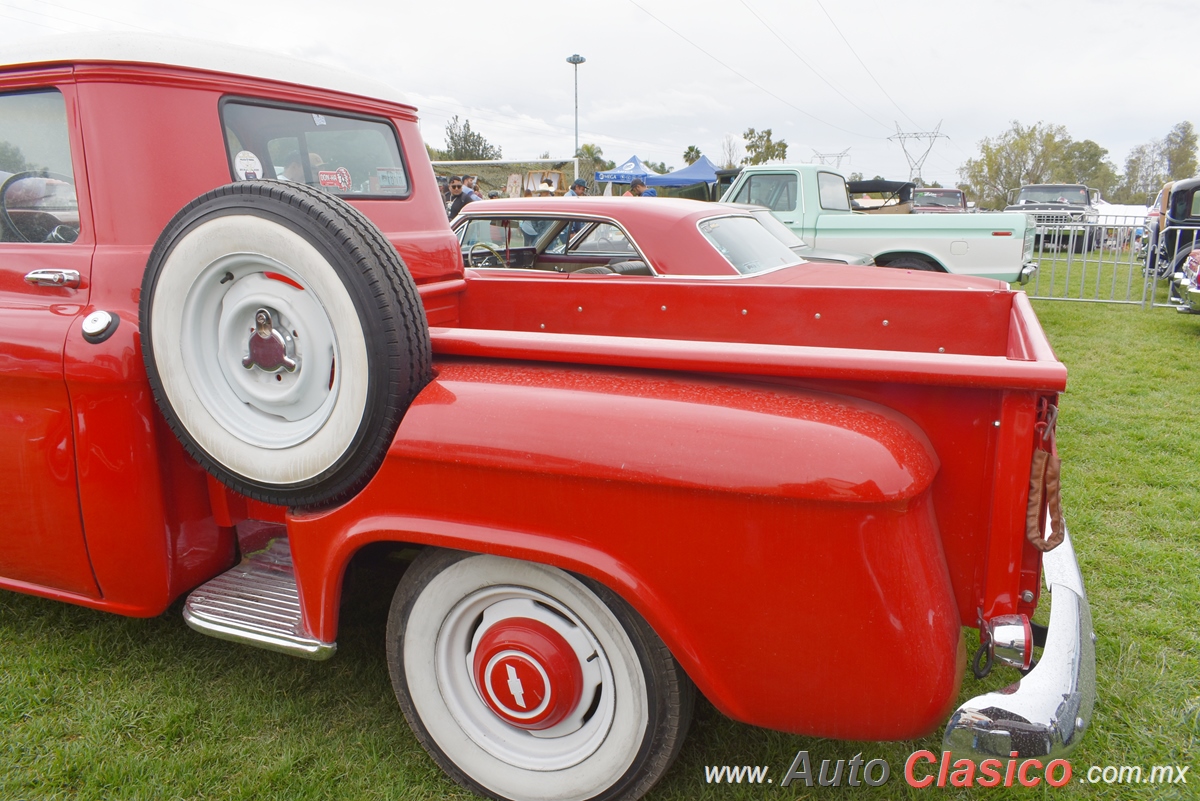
column 1075, row 195
column 746, row 244
column 927, row 197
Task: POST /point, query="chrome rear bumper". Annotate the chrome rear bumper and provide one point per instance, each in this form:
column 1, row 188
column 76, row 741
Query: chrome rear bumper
column 1045, row 713
column 1027, row 271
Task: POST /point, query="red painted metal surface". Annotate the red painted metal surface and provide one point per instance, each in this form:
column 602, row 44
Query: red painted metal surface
column 809, row 511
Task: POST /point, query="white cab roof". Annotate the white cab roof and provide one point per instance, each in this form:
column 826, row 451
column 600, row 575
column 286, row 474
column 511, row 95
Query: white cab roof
column 137, row 48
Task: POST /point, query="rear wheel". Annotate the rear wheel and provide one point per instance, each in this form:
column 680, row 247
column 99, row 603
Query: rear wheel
column 283, row 339
column 523, row 681
column 913, row 263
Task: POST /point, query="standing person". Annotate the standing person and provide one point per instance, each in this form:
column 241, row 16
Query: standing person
column 456, row 202
column 469, row 188
column 578, row 189
column 459, row 198
column 636, row 187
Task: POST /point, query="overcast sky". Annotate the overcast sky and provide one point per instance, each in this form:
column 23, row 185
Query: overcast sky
column 823, row 75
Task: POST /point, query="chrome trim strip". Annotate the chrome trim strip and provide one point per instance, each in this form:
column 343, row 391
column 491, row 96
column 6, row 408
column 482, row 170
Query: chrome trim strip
column 1046, row 713
column 256, row 603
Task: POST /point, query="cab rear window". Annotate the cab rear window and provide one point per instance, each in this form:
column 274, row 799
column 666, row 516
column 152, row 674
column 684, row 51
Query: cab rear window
column 344, row 155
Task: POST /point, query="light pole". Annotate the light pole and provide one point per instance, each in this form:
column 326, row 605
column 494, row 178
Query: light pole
column 576, row 59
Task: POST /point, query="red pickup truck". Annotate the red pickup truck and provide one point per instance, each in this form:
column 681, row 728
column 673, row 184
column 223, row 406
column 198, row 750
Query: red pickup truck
column 239, row 345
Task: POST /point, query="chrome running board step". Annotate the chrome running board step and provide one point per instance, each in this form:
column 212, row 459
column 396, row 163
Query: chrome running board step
column 256, row 603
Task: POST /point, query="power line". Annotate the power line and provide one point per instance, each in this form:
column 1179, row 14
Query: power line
column 810, row 66
column 753, row 83
column 864, row 66
column 96, row 16
column 548, row 130
column 32, row 22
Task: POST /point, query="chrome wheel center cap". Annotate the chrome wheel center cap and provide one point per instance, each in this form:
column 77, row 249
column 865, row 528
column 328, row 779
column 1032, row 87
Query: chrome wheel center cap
column 268, row 349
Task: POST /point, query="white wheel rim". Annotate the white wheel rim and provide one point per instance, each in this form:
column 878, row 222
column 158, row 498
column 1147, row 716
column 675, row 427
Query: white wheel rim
column 277, row 427
column 268, row 409
column 567, row 744
column 578, row 757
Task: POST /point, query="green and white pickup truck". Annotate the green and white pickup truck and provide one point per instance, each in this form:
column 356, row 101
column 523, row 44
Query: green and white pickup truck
column 813, row 201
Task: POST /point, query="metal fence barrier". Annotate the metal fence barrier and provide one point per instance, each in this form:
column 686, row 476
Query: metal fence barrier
column 1100, row 261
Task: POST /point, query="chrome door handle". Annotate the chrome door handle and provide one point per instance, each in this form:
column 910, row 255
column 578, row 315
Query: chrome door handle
column 54, row 278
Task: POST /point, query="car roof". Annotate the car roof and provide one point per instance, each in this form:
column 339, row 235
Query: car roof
column 627, row 210
column 139, row 48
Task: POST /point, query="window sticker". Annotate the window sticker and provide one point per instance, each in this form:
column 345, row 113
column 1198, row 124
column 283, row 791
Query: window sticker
column 335, row 179
column 246, row 166
column 318, row 119
column 391, row 177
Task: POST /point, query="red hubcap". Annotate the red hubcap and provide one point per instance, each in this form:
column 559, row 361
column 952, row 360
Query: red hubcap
column 527, row 673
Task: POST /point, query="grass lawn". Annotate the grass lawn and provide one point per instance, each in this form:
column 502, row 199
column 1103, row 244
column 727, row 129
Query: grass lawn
column 94, row 706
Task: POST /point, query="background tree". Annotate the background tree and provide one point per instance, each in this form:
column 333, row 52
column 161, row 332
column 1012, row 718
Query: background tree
column 1087, row 163
column 731, row 151
column 1149, row 166
column 463, row 144
column 1145, row 173
column 11, row 158
column 1021, row 155
column 435, row 154
column 595, row 155
column 760, row 148
column 1179, row 151
column 591, row 161
column 855, row 176
column 659, row 167
column 691, row 155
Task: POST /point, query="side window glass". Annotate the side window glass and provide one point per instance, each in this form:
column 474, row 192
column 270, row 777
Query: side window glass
column 346, row 156
column 604, row 240
column 1195, row 204
column 832, row 189
column 37, row 182
column 776, row 192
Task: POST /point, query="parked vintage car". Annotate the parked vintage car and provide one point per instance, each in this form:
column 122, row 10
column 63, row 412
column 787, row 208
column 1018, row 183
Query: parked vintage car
column 591, row 237
column 937, row 200
column 1185, row 284
column 1177, row 227
column 814, row 202
column 1066, row 215
column 1156, row 211
column 620, row 489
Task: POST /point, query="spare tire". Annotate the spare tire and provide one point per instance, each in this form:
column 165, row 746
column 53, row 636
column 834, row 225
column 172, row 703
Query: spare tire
column 283, row 338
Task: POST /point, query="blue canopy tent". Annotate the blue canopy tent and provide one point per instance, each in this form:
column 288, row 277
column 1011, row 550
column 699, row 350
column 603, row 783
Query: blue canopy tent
column 702, row 171
column 628, row 170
